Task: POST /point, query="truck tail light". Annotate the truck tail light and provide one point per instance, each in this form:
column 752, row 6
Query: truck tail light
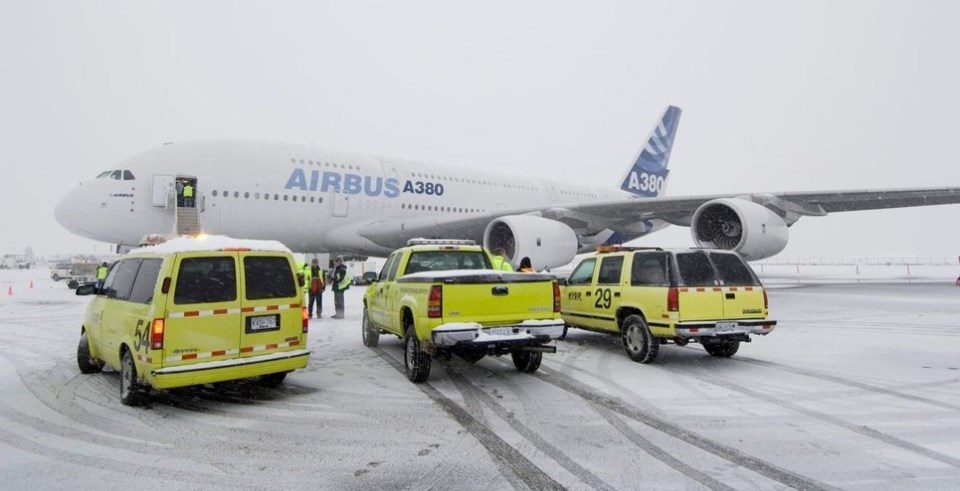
column 305, row 316
column 764, row 299
column 435, row 302
column 556, row 297
column 156, row 334
column 673, row 299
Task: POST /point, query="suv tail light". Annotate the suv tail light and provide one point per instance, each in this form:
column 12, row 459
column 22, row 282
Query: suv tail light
column 306, row 320
column 556, row 297
column 156, row 334
column 673, row 299
column 435, row 302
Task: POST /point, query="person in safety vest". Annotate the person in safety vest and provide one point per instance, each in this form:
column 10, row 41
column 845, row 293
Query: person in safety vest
column 341, row 281
column 315, row 286
column 526, row 266
column 499, row 262
column 101, row 274
column 188, row 195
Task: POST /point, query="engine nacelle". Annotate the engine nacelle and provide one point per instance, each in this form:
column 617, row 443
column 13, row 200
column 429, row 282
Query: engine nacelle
column 548, row 243
column 740, row 226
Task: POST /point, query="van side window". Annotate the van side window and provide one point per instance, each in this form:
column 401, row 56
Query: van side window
column 268, row 277
column 107, row 286
column 732, row 270
column 610, row 269
column 146, row 282
column 583, row 275
column 123, row 282
column 695, row 269
column 206, row 280
column 649, row 269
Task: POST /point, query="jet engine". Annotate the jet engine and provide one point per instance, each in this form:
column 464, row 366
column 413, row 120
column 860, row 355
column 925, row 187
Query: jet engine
column 548, row 243
column 740, row 226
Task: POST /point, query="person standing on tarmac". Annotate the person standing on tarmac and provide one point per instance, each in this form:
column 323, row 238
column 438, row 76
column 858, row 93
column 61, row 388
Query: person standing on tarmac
column 303, row 275
column 101, row 274
column 316, row 288
column 341, row 281
column 526, row 266
column 499, row 262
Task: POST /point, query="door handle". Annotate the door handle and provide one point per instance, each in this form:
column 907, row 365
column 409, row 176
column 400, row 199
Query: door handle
column 499, row 290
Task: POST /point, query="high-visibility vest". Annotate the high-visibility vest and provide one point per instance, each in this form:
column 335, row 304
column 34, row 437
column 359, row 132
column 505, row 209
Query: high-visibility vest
column 502, row 264
column 345, row 282
column 101, row 272
column 305, row 270
column 188, row 191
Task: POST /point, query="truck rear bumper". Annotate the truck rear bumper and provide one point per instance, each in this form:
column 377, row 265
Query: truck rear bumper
column 724, row 328
column 220, row 371
column 473, row 334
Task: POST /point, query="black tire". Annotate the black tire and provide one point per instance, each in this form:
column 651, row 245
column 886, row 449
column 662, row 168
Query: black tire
column 724, row 349
column 271, row 380
column 471, row 356
column 87, row 363
column 527, row 361
column 416, row 361
column 641, row 346
column 132, row 393
column 371, row 335
column 56, row 277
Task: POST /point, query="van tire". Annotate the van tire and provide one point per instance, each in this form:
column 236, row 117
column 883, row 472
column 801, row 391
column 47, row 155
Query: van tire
column 371, row 335
column 132, row 393
column 724, row 349
column 641, row 346
column 527, row 361
column 87, row 363
column 416, row 361
column 271, row 380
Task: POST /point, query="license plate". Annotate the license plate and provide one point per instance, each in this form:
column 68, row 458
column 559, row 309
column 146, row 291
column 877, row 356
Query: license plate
column 500, row 331
column 263, row 323
column 726, row 326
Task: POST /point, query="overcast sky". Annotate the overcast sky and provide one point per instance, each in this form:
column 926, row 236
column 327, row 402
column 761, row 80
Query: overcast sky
column 777, row 96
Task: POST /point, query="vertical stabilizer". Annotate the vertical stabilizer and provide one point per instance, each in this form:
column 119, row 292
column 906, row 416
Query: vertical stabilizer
column 647, row 177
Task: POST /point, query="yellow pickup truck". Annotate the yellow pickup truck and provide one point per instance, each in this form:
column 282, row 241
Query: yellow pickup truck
column 442, row 297
column 651, row 296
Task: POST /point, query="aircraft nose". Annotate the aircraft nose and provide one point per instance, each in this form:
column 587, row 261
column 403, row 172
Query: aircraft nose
column 62, row 212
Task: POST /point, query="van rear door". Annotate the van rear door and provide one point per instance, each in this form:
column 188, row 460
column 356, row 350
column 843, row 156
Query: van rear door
column 742, row 291
column 700, row 294
column 272, row 317
column 203, row 321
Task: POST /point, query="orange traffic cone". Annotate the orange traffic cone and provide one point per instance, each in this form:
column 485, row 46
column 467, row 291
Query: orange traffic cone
column 10, row 290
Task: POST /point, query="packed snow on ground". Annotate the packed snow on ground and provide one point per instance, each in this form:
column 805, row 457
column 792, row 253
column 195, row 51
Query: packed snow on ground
column 858, row 387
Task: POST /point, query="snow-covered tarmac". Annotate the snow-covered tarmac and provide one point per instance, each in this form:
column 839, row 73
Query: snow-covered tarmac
column 857, row 388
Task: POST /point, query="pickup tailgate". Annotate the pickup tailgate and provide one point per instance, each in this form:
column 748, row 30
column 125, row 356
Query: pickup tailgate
column 496, row 298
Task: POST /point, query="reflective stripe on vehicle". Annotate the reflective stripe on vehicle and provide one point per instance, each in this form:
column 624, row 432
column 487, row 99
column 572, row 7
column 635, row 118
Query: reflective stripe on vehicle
column 716, row 289
column 291, row 341
column 205, row 313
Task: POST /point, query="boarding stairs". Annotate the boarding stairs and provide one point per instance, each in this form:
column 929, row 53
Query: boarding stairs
column 188, row 220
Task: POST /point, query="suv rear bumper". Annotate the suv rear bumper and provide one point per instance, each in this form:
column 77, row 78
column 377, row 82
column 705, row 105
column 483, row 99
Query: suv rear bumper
column 709, row 329
column 474, row 334
column 231, row 369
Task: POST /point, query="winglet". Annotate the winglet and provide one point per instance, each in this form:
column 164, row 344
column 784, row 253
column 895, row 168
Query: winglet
column 647, row 177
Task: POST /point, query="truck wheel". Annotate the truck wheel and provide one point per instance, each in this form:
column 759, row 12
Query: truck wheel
column 641, row 346
column 371, row 335
column 527, row 361
column 87, row 363
column 271, row 380
column 724, row 349
column 415, row 359
column 131, row 392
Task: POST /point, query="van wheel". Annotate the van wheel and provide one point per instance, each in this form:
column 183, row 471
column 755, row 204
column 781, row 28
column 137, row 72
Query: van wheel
column 132, row 393
column 415, row 360
column 371, row 335
column 641, row 346
column 87, row 363
column 527, row 361
column 271, row 380
column 724, row 349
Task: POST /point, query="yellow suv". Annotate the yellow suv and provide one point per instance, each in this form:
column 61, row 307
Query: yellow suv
column 195, row 311
column 650, row 296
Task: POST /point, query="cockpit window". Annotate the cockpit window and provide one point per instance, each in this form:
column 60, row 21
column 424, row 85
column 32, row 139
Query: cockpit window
column 116, row 175
column 105, row 174
column 127, row 175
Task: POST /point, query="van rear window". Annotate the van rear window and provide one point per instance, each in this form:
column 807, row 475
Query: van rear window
column 268, row 277
column 732, row 270
column 206, row 280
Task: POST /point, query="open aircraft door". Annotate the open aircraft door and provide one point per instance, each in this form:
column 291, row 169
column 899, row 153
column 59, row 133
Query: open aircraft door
column 163, row 189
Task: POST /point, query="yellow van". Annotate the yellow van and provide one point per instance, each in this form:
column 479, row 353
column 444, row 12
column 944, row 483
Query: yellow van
column 194, row 311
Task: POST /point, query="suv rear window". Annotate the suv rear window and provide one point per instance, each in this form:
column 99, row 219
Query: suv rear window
column 695, row 269
column 446, row 260
column 732, row 270
column 268, row 277
column 206, row 280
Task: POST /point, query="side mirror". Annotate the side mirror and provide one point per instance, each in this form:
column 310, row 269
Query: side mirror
column 89, row 289
column 562, row 281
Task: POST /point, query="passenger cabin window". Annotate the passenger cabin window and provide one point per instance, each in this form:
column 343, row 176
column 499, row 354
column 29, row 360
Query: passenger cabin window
column 732, row 270
column 583, row 275
column 695, row 269
column 610, row 269
column 268, row 277
column 122, row 283
column 146, row 282
column 206, row 280
column 650, row 269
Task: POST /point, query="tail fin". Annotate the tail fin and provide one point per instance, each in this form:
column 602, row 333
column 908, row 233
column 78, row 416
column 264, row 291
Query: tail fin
column 647, row 177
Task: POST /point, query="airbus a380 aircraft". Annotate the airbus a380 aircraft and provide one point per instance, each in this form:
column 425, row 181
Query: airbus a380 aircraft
column 319, row 201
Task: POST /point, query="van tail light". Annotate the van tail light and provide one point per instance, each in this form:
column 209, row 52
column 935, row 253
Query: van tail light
column 306, row 320
column 556, row 297
column 435, row 302
column 765, row 299
column 673, row 299
column 156, row 334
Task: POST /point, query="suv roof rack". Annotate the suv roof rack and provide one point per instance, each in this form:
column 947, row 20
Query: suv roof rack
column 617, row 248
column 466, row 242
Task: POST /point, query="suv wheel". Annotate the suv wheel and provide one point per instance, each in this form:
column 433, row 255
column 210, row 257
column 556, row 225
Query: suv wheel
column 271, row 380
column 416, row 361
column 527, row 361
column 87, row 363
column 131, row 392
column 640, row 345
column 371, row 335
column 724, row 349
